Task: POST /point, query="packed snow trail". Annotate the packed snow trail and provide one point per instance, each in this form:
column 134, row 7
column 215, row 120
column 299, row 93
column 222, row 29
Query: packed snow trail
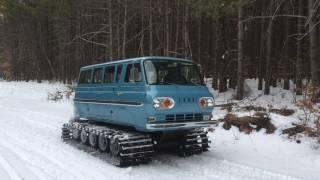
column 31, row 148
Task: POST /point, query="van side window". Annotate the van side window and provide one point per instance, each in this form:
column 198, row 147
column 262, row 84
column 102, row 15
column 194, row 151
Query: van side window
column 119, row 69
column 109, row 74
column 85, row 77
column 133, row 73
column 97, row 76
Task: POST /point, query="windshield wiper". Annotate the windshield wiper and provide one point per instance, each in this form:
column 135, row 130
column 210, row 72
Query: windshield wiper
column 196, row 84
column 168, row 83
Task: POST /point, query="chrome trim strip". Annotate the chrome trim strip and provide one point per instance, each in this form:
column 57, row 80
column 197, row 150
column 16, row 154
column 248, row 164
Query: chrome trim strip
column 113, row 104
column 175, row 125
column 102, row 91
column 116, row 103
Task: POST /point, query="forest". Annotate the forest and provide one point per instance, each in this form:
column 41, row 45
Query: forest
column 270, row 40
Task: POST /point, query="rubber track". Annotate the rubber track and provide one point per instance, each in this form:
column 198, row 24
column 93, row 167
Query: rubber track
column 134, row 148
column 194, row 142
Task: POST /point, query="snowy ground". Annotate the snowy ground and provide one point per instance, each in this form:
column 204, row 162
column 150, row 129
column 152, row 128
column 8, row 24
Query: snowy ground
column 31, row 148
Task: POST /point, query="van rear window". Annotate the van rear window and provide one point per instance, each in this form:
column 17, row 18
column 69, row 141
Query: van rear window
column 119, row 69
column 133, row 73
column 109, row 74
column 85, row 77
column 97, row 76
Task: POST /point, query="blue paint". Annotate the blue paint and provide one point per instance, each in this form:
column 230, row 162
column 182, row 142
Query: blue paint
column 131, row 103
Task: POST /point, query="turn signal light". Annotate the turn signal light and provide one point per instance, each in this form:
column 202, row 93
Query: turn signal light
column 163, row 103
column 206, row 102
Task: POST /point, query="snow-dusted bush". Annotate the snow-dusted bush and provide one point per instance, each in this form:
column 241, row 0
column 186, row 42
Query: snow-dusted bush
column 310, row 105
column 246, row 124
column 60, row 95
column 55, row 96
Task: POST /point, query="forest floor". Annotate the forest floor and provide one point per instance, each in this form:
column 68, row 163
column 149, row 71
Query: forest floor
column 31, row 148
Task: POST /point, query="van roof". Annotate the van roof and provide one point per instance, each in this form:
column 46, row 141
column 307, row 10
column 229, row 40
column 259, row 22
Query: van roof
column 136, row 59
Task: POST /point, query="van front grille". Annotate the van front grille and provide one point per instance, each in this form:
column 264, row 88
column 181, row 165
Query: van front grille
column 184, row 117
column 187, row 99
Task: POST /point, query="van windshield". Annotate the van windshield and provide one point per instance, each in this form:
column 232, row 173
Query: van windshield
column 168, row 72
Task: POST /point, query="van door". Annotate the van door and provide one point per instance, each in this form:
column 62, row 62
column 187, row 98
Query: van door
column 83, row 93
column 133, row 85
column 131, row 92
column 97, row 94
column 109, row 92
column 117, row 105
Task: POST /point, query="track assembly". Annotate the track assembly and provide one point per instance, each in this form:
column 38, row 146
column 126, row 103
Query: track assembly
column 122, row 148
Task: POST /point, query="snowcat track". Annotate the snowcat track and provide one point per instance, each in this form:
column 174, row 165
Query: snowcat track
column 124, row 148
column 194, row 142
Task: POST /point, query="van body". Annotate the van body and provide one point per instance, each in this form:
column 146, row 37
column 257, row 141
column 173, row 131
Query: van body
column 149, row 94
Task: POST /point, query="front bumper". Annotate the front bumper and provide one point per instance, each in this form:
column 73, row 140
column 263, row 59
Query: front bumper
column 179, row 125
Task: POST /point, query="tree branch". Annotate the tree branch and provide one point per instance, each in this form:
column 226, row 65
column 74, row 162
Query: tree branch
column 275, row 16
column 92, row 42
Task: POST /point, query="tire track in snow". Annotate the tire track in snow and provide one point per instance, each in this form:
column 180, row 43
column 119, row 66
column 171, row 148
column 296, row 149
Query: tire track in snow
column 24, row 149
column 31, row 150
column 234, row 167
column 195, row 168
column 30, row 121
column 57, row 119
column 6, row 171
column 25, row 112
column 18, row 164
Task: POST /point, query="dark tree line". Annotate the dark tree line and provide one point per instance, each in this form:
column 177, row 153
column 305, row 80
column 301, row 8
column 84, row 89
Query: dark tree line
column 271, row 40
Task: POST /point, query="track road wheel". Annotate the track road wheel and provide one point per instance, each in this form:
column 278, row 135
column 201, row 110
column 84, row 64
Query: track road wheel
column 115, row 147
column 205, row 142
column 84, row 136
column 182, row 152
column 76, row 134
column 65, row 133
column 103, row 143
column 93, row 139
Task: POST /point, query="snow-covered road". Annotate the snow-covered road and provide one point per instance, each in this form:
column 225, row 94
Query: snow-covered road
column 31, row 148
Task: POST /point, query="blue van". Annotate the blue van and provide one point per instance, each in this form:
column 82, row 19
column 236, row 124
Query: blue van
column 155, row 96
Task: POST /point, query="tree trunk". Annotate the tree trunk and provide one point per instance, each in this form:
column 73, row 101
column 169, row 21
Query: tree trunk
column 150, row 29
column 223, row 84
column 299, row 63
column 142, row 36
column 261, row 56
column 268, row 58
column 167, row 48
column 240, row 55
column 110, row 32
column 185, row 30
column 124, row 43
column 233, row 77
column 119, row 47
column 286, row 84
column 199, row 40
column 314, row 61
column 216, row 55
column 43, row 52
